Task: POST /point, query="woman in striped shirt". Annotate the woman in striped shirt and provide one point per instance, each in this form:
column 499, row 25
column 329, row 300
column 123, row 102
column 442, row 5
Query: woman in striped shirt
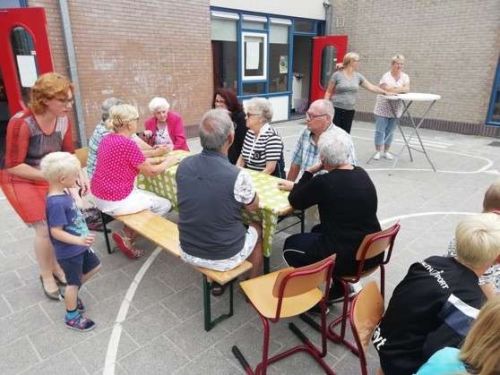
column 263, row 148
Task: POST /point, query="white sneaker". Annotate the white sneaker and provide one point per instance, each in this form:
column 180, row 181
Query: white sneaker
column 376, row 156
column 388, row 156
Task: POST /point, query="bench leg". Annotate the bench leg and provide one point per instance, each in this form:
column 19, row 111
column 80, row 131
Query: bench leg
column 267, row 265
column 207, row 305
column 106, row 231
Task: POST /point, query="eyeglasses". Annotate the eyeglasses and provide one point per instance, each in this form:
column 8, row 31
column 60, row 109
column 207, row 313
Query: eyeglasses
column 248, row 115
column 310, row 116
column 66, row 100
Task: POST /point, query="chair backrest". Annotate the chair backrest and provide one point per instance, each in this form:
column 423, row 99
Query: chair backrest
column 295, row 281
column 376, row 243
column 82, row 155
column 366, row 312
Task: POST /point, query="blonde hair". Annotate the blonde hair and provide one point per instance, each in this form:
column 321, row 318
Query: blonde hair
column 478, row 239
column 491, row 200
column 349, row 58
column 397, row 58
column 158, row 103
column 59, row 164
column 49, row 86
column 482, row 344
column 121, row 115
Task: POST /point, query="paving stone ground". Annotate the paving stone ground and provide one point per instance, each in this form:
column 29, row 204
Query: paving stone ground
column 162, row 331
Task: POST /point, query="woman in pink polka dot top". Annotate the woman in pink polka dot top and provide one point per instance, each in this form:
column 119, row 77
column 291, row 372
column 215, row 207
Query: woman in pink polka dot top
column 119, row 161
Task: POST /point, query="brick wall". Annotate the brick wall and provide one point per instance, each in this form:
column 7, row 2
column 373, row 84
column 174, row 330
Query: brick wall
column 451, row 46
column 136, row 50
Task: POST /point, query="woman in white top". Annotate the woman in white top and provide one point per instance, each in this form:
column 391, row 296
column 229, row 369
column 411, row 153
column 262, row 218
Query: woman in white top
column 388, row 111
column 262, row 148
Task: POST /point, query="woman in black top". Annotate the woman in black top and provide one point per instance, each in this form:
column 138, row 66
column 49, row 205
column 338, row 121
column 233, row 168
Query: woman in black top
column 226, row 99
column 347, row 204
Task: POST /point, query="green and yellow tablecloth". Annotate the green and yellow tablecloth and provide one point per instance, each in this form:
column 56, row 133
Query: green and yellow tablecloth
column 272, row 201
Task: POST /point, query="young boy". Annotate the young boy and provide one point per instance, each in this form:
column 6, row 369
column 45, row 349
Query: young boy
column 69, row 234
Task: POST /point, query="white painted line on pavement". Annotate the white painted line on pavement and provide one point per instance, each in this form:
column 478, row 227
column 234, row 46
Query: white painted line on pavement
column 114, row 340
column 419, row 214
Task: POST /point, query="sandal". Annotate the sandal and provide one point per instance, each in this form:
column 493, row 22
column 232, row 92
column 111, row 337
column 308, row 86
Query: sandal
column 55, row 295
column 130, row 234
column 217, row 289
column 129, row 251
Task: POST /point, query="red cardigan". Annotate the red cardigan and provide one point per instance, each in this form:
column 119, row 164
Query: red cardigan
column 175, row 128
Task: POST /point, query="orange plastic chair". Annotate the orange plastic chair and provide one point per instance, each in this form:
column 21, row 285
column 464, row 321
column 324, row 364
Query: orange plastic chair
column 284, row 294
column 366, row 312
column 373, row 245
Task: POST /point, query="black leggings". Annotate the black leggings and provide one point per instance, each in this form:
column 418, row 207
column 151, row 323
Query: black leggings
column 343, row 118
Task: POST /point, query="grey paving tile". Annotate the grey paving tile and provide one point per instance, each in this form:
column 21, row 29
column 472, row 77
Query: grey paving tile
column 9, row 281
column 64, row 362
column 150, row 291
column 109, row 284
column 30, row 320
column 191, row 337
column 150, row 323
column 16, row 357
column 14, row 261
column 5, row 309
column 28, row 295
column 210, row 362
column 28, row 272
column 184, row 303
column 91, row 353
column 178, row 275
column 161, row 356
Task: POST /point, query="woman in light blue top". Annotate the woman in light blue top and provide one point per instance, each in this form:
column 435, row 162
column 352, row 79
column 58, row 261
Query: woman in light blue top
column 480, row 352
column 344, row 86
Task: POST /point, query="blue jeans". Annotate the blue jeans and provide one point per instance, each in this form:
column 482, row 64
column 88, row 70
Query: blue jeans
column 384, row 130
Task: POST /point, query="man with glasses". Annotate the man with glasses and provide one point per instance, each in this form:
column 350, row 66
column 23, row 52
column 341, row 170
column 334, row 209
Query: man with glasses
column 319, row 119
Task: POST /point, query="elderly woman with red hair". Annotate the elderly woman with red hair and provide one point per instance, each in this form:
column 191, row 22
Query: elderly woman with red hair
column 32, row 134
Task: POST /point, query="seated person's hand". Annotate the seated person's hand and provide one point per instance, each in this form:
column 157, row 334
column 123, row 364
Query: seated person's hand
column 171, row 160
column 163, row 149
column 285, row 185
column 315, row 168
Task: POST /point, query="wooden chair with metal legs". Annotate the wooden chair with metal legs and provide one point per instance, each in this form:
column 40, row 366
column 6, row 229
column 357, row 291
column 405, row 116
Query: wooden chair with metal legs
column 372, row 246
column 366, row 312
column 284, row 294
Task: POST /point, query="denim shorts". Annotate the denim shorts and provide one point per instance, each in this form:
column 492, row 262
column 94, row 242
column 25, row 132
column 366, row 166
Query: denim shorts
column 75, row 267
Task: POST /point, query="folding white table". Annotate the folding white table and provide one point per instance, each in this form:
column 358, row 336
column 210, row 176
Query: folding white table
column 407, row 100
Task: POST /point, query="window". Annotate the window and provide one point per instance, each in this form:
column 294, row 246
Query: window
column 254, row 56
column 304, row 26
column 225, row 51
column 278, row 57
column 494, row 110
column 23, row 49
column 328, row 62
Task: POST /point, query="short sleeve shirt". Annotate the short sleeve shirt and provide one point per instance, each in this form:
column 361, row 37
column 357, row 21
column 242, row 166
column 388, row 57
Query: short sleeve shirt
column 162, row 137
column 390, row 108
column 306, row 152
column 61, row 211
column 257, row 151
column 118, row 158
column 99, row 132
column 346, row 89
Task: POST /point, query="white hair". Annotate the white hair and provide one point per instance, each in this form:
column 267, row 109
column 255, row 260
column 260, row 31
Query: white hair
column 260, row 106
column 215, row 126
column 158, row 103
column 59, row 164
column 334, row 147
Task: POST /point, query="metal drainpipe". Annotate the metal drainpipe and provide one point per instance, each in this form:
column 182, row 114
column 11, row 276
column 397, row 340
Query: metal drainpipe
column 73, row 72
column 328, row 17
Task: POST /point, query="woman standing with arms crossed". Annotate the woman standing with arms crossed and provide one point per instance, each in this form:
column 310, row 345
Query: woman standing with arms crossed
column 388, row 111
column 32, row 134
column 343, row 88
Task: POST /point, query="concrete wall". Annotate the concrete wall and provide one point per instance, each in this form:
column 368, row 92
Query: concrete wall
column 296, row 8
column 452, row 48
column 136, row 50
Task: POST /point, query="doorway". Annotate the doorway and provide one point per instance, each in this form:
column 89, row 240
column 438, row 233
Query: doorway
column 301, row 80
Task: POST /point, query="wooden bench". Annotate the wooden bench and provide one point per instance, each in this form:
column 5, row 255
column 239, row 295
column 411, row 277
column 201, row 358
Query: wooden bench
column 165, row 234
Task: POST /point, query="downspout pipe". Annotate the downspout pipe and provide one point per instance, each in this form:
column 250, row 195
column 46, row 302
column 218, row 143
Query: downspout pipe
column 328, row 17
column 73, row 71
